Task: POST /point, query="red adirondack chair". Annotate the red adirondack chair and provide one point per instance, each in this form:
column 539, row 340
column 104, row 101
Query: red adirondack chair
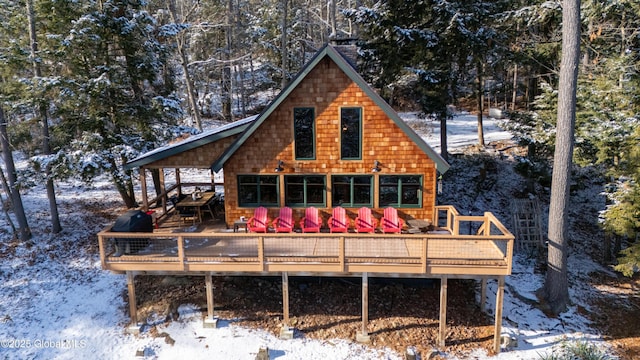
column 311, row 222
column 390, row 221
column 259, row 222
column 284, row 222
column 338, row 222
column 365, row 222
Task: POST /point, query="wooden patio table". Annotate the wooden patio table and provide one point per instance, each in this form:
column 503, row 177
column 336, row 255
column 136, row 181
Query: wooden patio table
column 197, row 204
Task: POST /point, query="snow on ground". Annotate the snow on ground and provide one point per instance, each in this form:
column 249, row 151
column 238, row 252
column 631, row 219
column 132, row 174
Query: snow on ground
column 56, row 303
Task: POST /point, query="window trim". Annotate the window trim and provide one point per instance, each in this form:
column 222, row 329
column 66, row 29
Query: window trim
column 352, row 190
column 398, row 203
column 313, row 133
column 242, row 204
column 360, row 131
column 305, row 203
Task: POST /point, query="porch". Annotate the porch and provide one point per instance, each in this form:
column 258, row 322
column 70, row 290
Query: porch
column 446, row 252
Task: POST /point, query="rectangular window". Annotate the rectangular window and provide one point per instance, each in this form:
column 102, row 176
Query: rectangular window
column 304, row 133
column 351, row 133
column 258, row 190
column 352, row 191
column 401, row 191
column 305, row 190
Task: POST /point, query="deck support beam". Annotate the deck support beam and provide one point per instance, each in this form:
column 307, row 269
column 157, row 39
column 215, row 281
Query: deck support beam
column 363, row 335
column 285, row 332
column 483, row 294
column 442, row 334
column 498, row 319
column 134, row 327
column 210, row 321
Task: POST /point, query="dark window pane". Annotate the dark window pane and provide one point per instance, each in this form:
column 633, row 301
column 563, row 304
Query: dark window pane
column 256, row 190
column 400, row 190
column 410, row 195
column 351, row 191
column 305, row 190
column 350, row 127
column 303, row 123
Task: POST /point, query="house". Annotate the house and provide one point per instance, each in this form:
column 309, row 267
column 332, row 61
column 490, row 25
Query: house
column 327, row 140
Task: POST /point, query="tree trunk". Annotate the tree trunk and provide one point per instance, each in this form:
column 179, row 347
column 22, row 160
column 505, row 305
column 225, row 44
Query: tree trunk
column 443, row 138
column 480, row 105
column 42, row 109
column 283, row 44
column 227, row 113
column 556, row 290
column 184, row 63
column 14, row 193
column 514, row 94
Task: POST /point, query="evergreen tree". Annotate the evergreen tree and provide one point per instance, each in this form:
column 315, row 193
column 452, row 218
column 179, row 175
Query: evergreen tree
column 114, row 95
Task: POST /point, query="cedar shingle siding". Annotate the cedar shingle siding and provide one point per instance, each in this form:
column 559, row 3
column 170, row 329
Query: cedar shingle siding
column 326, row 89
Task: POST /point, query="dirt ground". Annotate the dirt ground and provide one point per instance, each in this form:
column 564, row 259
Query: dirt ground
column 402, row 312
column 618, row 318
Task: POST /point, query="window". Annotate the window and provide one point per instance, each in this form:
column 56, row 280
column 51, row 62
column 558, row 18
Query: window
column 401, row 191
column 304, row 133
column 258, row 190
column 352, row 191
column 303, row 191
column 351, row 133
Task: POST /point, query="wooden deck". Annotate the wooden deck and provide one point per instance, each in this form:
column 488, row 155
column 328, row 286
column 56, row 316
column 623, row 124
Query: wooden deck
column 430, row 254
column 484, row 252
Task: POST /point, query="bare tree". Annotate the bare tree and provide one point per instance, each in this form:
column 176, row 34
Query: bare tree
column 42, row 109
column 555, row 292
column 14, row 193
column 182, row 48
column 283, row 44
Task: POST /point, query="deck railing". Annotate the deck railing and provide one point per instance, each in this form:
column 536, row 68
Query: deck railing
column 486, row 249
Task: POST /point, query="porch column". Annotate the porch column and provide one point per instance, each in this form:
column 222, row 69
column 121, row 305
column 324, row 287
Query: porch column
column 143, row 187
column 133, row 311
column 163, row 188
column 285, row 331
column 363, row 335
column 498, row 319
column 443, row 312
column 209, row 321
column 177, row 170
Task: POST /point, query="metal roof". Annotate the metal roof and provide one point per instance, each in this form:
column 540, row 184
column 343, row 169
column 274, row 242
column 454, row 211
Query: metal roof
column 205, row 137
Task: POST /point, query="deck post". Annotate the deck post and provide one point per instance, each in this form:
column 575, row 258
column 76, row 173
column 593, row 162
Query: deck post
column 498, row 319
column 285, row 332
column 133, row 327
column 443, row 312
column 209, row 321
column 483, row 293
column 363, row 336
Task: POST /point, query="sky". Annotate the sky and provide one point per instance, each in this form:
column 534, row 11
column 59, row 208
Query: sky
column 57, row 303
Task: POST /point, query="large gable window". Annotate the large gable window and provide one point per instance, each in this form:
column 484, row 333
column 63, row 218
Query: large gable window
column 352, row 191
column 401, row 191
column 304, row 133
column 305, row 190
column 258, row 190
column 350, row 133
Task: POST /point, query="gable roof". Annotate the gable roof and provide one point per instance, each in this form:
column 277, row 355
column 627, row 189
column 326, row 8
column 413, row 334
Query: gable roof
column 328, row 50
column 192, row 142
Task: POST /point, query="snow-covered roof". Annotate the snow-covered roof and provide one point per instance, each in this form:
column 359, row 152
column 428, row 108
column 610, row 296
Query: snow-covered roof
column 206, row 137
